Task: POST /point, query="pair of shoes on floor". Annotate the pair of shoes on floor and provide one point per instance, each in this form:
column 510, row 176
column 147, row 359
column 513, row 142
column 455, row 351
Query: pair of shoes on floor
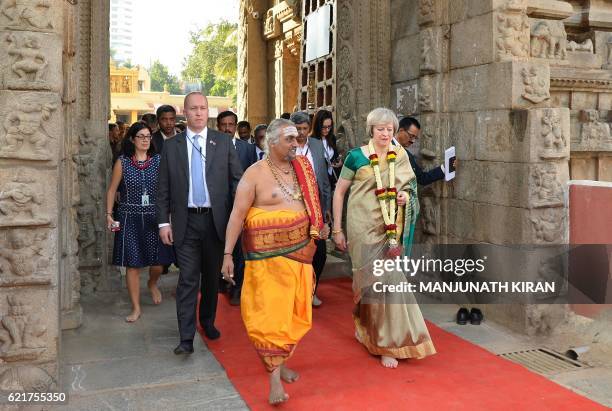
column 316, row 302
column 184, row 348
column 474, row 316
column 235, row 297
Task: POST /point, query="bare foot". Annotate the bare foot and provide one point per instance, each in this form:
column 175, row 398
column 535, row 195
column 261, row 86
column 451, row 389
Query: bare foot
column 388, row 362
column 135, row 315
column 288, row 375
column 155, row 293
column 277, row 392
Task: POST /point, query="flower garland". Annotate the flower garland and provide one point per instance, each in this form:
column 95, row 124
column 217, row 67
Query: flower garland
column 383, row 194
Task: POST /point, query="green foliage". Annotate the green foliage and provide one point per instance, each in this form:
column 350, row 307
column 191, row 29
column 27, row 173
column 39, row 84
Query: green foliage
column 213, row 60
column 161, row 78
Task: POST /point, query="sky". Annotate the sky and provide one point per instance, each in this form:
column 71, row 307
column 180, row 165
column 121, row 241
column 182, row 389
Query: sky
column 161, row 28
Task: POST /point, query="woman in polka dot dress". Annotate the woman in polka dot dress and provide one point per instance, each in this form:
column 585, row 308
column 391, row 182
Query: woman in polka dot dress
column 137, row 243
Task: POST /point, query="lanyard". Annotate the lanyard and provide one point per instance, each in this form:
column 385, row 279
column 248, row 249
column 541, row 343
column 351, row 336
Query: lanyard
column 199, row 150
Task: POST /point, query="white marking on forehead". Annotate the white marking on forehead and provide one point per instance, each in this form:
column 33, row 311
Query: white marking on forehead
column 290, row 131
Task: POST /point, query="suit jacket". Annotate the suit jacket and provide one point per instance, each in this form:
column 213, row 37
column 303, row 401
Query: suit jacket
column 320, row 168
column 223, row 171
column 246, row 153
column 158, row 141
column 425, row 177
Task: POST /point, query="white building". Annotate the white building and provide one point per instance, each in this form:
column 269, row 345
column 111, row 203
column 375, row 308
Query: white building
column 121, row 37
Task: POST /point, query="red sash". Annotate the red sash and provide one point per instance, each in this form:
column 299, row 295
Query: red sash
column 310, row 191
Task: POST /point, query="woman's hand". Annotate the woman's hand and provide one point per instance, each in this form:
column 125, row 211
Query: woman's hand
column 339, row 240
column 228, row 269
column 402, row 198
column 109, row 221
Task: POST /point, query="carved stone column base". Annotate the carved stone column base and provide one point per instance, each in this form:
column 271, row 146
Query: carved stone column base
column 73, row 318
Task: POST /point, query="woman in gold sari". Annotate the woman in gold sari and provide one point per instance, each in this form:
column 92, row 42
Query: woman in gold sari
column 381, row 214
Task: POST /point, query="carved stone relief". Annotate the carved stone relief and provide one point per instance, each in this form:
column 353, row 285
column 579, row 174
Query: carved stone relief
column 594, row 134
column 608, row 58
column 427, row 11
column 554, row 140
column 516, row 5
column 548, row 39
column 27, row 126
column 34, row 15
column 536, row 84
column 23, row 258
column 430, row 51
column 27, row 378
column 30, row 61
column 586, row 46
column 22, row 331
column 545, row 188
column 430, row 216
column 407, row 98
column 512, row 36
column 272, row 27
column 548, row 227
column 21, row 203
column 426, row 94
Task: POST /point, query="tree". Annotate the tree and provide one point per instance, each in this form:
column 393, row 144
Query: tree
column 161, row 78
column 213, row 60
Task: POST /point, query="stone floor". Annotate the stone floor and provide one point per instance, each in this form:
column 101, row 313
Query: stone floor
column 109, row 364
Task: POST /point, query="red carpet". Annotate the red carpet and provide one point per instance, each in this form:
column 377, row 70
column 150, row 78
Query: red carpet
column 337, row 373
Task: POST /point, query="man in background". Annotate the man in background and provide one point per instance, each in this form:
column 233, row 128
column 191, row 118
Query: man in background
column 259, row 140
column 244, row 131
column 151, row 120
column 166, row 119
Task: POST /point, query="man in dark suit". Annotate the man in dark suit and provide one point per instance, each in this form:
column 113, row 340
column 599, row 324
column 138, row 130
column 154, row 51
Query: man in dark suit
column 407, row 134
column 227, row 122
column 313, row 149
column 166, row 119
column 198, row 170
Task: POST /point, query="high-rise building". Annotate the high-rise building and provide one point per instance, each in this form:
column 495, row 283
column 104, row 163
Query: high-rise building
column 121, row 36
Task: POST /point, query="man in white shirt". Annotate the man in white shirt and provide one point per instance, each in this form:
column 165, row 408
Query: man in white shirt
column 198, row 170
column 259, row 139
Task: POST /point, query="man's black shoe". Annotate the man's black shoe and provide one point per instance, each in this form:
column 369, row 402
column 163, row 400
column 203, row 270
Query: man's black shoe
column 235, row 297
column 211, row 332
column 462, row 316
column 185, row 347
column 476, row 316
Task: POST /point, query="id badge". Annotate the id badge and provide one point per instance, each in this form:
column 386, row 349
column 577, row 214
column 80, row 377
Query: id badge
column 145, row 200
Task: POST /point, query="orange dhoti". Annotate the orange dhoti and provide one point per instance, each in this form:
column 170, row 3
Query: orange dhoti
column 276, row 302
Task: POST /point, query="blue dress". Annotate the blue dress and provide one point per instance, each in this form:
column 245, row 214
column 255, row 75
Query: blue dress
column 137, row 243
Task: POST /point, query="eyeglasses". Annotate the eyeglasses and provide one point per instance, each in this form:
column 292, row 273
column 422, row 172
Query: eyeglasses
column 143, row 137
column 326, row 127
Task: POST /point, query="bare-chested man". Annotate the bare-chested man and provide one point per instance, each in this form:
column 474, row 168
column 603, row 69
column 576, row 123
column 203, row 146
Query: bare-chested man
column 277, row 203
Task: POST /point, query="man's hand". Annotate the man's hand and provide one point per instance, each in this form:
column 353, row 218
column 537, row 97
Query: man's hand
column 324, row 234
column 228, row 269
column 165, row 233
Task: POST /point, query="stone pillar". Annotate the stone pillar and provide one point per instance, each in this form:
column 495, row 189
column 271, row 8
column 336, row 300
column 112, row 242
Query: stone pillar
column 31, row 152
column 362, row 65
column 479, row 78
column 70, row 279
column 252, row 63
column 93, row 158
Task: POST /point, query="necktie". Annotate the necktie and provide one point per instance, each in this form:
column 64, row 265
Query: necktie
column 197, row 178
column 261, row 155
